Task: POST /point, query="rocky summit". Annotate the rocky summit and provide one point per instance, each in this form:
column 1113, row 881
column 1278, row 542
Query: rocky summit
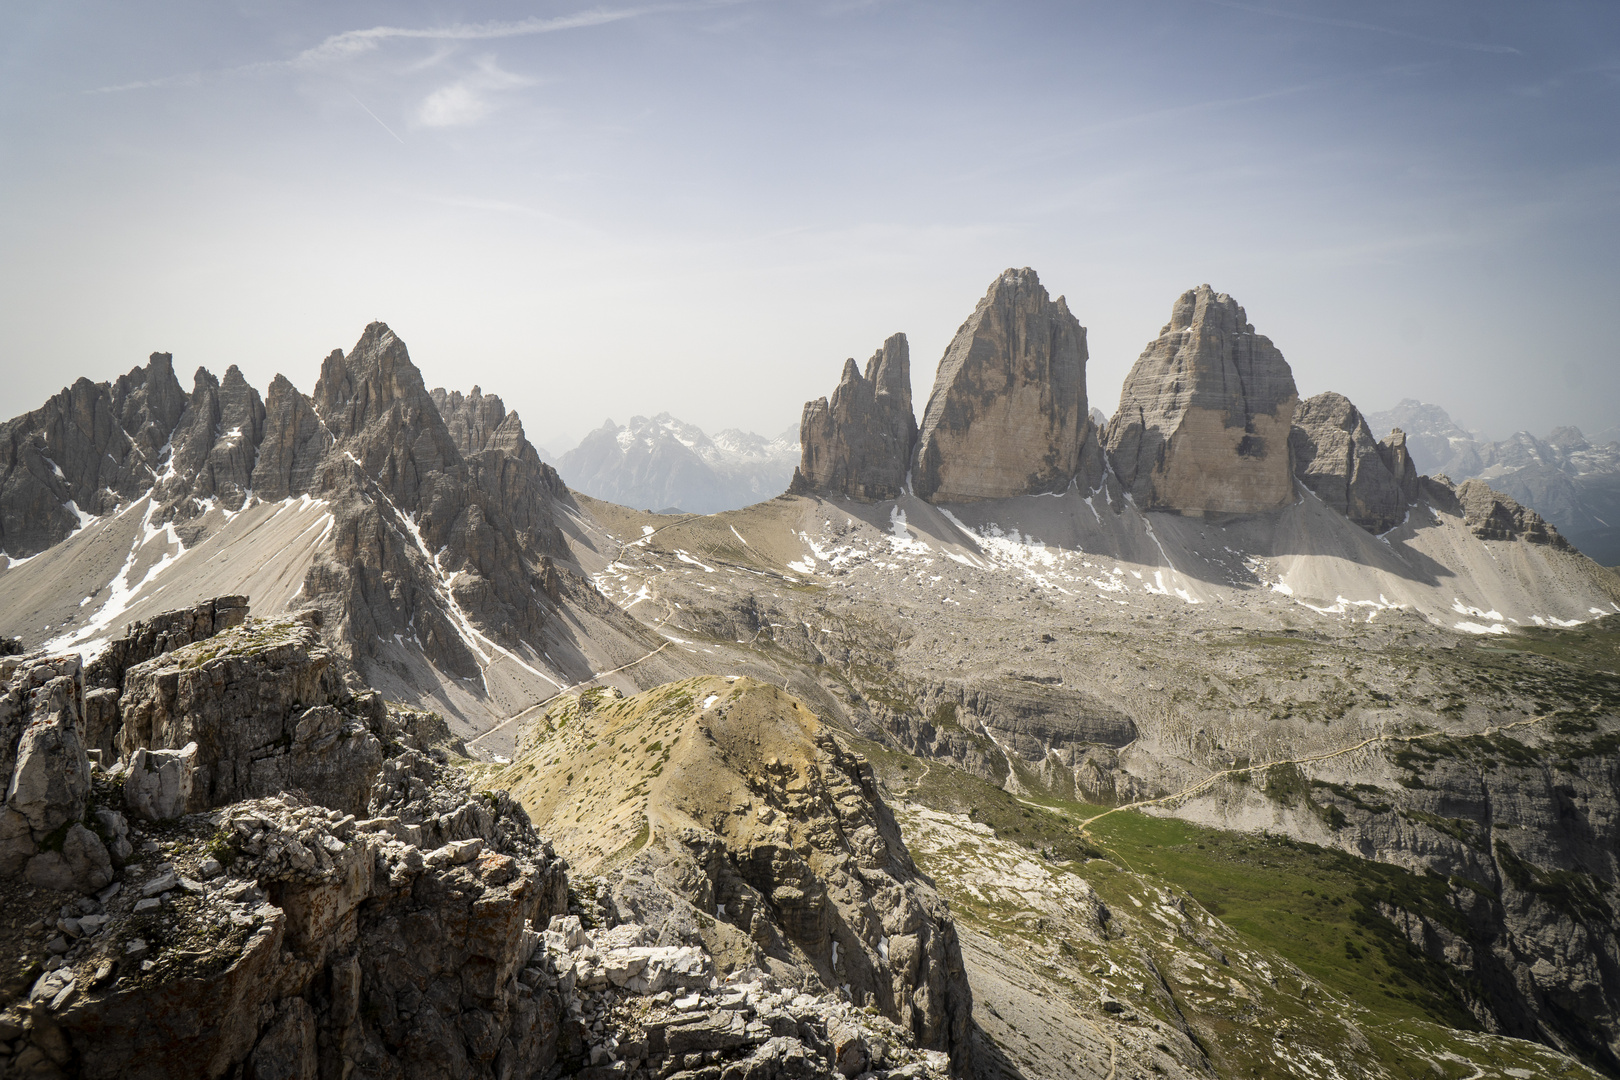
column 1205, row 415
column 1370, row 481
column 1007, row 415
column 859, row 443
column 340, row 738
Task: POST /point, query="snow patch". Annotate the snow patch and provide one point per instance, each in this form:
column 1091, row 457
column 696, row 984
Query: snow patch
column 1463, row 609
column 685, row 558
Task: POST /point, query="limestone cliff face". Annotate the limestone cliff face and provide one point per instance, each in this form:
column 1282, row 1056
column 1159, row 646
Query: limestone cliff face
column 1007, row 415
column 422, row 528
column 858, row 443
column 1205, row 414
column 1369, row 481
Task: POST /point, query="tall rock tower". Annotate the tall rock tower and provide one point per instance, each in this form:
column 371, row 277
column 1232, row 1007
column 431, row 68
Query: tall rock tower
column 859, row 443
column 1008, row 415
column 1205, row 415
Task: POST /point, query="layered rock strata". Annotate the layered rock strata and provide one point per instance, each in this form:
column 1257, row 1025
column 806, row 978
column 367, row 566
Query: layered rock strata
column 1007, row 415
column 858, row 443
column 1492, row 515
column 1205, row 415
column 268, row 708
column 104, row 675
column 1370, row 481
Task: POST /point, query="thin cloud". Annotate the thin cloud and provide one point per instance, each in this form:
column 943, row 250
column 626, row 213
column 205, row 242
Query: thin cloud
column 1351, row 24
column 467, row 100
column 352, row 43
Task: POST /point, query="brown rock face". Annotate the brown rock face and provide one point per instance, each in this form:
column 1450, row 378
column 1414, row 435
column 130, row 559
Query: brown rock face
column 859, row 443
column 1335, row 455
column 1205, row 415
column 1007, row 415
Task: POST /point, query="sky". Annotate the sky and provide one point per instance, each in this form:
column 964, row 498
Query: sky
column 704, row 207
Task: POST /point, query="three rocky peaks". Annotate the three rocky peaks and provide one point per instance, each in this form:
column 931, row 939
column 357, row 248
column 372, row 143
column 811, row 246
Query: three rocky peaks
column 1209, row 422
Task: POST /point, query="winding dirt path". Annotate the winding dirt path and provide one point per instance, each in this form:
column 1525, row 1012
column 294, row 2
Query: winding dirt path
column 530, row 710
column 1212, row 778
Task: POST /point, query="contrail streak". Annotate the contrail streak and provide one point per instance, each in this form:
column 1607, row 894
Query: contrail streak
column 375, row 117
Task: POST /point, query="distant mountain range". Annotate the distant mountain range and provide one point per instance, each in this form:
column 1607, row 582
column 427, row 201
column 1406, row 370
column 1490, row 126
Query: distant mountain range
column 1570, row 479
column 666, row 464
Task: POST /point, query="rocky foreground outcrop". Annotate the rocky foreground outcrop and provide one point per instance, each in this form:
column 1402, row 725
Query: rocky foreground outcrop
column 1370, row 481
column 1007, row 415
column 308, row 888
column 1205, row 414
column 858, row 444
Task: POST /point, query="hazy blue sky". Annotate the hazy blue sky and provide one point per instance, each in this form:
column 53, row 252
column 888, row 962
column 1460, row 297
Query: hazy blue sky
column 705, row 207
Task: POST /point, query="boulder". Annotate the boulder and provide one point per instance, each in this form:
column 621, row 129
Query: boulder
column 51, row 778
column 1007, row 415
column 858, row 444
column 158, row 783
column 82, row 865
column 1335, row 455
column 1205, row 415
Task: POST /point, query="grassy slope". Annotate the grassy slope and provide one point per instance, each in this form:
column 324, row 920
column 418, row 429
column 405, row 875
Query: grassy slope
column 1312, row 907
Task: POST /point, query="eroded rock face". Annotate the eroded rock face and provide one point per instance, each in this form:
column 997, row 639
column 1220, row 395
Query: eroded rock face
column 858, row 444
column 47, row 780
column 74, row 455
column 1205, row 415
column 170, row 630
column 262, row 703
column 326, row 947
column 484, row 517
column 1007, row 415
column 294, row 440
column 1369, row 481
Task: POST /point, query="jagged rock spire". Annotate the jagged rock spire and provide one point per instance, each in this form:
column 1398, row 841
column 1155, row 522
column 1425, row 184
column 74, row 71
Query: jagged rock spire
column 858, row 443
column 1369, row 481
